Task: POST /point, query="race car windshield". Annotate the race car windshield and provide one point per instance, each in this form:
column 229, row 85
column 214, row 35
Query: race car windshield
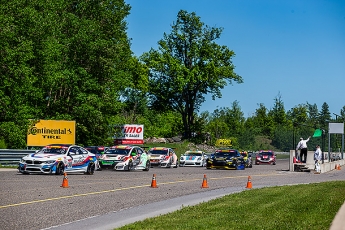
column 226, row 154
column 117, row 151
column 159, row 152
column 53, row 151
column 95, row 151
column 267, row 153
column 194, row 154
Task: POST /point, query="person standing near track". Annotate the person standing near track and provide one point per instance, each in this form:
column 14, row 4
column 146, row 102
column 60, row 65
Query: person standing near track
column 317, row 159
column 302, row 145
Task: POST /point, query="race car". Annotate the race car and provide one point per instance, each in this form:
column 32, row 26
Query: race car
column 247, row 159
column 130, row 158
column 163, row 157
column 193, row 158
column 265, row 157
column 112, row 156
column 226, row 159
column 57, row 159
column 98, row 151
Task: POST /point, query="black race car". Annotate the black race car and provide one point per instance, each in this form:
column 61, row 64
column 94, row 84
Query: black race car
column 226, row 159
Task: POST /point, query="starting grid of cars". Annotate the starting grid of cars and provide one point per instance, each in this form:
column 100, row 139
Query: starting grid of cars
column 57, row 159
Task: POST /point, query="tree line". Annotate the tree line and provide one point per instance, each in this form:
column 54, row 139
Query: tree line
column 71, row 60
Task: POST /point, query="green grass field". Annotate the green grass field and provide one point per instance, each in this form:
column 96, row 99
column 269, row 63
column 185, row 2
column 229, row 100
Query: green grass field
column 307, row 206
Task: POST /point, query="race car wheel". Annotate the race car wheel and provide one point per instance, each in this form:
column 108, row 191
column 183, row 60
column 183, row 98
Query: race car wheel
column 176, row 165
column 99, row 167
column 60, row 169
column 129, row 166
column 90, row 168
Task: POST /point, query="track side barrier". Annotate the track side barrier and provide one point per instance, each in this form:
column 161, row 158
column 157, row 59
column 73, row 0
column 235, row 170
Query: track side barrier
column 13, row 156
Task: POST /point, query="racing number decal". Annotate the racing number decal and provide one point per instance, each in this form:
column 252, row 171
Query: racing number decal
column 69, row 164
column 79, row 160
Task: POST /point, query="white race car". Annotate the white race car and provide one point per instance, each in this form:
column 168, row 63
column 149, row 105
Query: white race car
column 159, row 155
column 163, row 157
column 57, row 159
column 193, row 158
column 135, row 158
column 113, row 155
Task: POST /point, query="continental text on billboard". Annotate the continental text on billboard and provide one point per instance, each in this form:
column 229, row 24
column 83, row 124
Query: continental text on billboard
column 47, row 132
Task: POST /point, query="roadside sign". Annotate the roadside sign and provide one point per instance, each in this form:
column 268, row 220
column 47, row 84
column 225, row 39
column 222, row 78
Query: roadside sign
column 129, row 134
column 46, row 132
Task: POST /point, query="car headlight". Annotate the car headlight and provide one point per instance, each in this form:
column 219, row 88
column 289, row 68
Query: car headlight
column 199, row 159
column 181, row 159
column 22, row 161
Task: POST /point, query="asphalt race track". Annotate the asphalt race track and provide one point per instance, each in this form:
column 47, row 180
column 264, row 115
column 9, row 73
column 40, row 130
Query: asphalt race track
column 109, row 199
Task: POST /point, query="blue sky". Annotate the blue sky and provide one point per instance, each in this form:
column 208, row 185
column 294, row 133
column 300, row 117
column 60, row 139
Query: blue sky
column 291, row 48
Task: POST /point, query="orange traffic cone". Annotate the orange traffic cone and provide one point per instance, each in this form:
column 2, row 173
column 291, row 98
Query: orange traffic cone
column 338, row 167
column 154, row 183
column 204, row 182
column 65, row 181
column 249, row 183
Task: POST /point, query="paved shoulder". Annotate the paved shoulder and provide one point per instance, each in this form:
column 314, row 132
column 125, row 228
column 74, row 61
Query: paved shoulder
column 8, row 169
column 338, row 222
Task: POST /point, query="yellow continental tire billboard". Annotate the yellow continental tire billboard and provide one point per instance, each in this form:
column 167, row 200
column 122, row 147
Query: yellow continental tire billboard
column 46, row 132
column 223, row 143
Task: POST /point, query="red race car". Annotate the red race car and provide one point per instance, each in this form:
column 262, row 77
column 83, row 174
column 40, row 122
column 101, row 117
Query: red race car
column 265, row 157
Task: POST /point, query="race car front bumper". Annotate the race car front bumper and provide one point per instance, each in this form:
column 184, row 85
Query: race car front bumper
column 36, row 168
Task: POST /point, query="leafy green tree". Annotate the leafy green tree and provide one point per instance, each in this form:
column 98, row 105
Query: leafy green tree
column 217, row 128
column 313, row 115
column 249, row 124
column 263, row 121
column 188, row 65
column 278, row 111
column 234, row 119
column 299, row 114
column 283, row 138
column 167, row 124
column 65, row 60
column 247, row 139
column 342, row 113
column 324, row 116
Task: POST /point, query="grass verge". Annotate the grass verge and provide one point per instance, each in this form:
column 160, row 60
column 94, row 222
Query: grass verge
column 307, row 206
column 12, row 166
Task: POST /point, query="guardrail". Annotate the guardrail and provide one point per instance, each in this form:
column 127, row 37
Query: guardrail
column 13, row 156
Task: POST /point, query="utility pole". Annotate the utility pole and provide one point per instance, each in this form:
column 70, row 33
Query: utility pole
column 336, row 135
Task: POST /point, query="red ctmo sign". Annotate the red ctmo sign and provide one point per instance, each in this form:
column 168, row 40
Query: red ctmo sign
column 129, row 134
